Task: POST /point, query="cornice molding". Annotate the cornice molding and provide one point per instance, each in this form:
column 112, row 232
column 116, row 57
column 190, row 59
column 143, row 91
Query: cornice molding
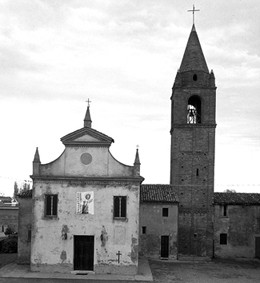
column 88, row 180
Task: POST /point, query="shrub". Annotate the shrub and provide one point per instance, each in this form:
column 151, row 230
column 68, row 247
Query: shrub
column 9, row 245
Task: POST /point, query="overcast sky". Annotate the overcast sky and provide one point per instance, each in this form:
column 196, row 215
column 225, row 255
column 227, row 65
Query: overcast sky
column 124, row 56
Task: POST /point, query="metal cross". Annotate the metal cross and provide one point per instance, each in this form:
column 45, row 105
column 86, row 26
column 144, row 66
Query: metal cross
column 193, row 10
column 118, row 254
column 88, row 101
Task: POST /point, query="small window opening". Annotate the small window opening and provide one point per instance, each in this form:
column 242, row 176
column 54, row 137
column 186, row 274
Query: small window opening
column 143, row 230
column 120, row 207
column 194, row 110
column 195, row 235
column 51, row 205
column 197, row 172
column 165, row 212
column 225, row 210
column 223, row 239
column 195, row 77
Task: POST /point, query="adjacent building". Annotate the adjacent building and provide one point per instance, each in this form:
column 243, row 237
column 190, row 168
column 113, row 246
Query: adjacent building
column 236, row 225
column 158, row 222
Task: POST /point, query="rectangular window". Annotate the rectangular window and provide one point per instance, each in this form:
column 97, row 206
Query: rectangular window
column 120, row 207
column 29, row 235
column 51, row 205
column 223, row 239
column 225, row 210
column 143, row 230
column 165, row 212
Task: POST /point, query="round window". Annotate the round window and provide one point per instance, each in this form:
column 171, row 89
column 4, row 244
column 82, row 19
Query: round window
column 86, row 158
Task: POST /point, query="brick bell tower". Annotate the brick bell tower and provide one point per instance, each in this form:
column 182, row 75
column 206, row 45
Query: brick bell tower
column 193, row 106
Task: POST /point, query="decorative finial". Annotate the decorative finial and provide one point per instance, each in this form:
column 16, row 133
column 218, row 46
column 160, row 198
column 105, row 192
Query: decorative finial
column 37, row 156
column 137, row 159
column 193, row 10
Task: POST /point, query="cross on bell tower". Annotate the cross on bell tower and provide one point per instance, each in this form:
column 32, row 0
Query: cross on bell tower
column 193, row 12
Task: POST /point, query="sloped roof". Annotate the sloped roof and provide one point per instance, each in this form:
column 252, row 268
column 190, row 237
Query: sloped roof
column 157, row 193
column 237, row 198
column 26, row 194
column 193, row 58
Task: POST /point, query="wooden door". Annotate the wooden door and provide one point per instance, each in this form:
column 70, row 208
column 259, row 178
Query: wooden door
column 165, row 246
column 257, row 247
column 83, row 252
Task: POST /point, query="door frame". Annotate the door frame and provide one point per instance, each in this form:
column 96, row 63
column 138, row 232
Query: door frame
column 168, row 248
column 74, row 252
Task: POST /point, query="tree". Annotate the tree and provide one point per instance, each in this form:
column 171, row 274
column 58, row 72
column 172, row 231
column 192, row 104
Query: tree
column 16, row 190
column 9, row 231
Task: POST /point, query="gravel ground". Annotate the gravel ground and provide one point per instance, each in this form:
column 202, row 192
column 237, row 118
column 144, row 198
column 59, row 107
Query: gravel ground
column 206, row 272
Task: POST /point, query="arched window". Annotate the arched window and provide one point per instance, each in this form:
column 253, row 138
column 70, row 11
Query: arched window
column 194, row 110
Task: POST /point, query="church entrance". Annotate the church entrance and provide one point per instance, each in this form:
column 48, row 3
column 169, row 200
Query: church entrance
column 257, row 247
column 165, row 246
column 83, row 252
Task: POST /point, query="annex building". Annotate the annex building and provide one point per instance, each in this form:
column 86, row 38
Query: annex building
column 87, row 211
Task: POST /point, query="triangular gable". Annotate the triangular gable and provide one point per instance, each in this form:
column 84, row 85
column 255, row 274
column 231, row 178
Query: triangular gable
column 88, row 137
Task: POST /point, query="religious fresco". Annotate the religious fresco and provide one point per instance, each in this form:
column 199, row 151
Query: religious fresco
column 85, row 203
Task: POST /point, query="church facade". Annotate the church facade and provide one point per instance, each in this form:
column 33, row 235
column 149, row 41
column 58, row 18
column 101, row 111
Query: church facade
column 85, row 208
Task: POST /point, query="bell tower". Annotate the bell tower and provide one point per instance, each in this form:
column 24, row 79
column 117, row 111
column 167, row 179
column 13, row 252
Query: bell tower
column 193, row 112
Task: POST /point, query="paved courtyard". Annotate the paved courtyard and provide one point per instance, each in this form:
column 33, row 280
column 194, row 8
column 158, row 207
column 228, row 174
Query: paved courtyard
column 206, row 272
column 166, row 272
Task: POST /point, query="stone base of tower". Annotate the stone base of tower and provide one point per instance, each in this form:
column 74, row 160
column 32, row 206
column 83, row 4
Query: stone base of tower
column 195, row 234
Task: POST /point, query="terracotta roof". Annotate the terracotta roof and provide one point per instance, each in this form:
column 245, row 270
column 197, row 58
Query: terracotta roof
column 26, row 194
column 193, row 58
column 158, row 193
column 237, row 198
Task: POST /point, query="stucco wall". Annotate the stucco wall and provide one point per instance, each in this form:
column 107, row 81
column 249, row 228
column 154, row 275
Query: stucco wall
column 103, row 164
column 51, row 253
column 25, row 223
column 241, row 226
column 157, row 226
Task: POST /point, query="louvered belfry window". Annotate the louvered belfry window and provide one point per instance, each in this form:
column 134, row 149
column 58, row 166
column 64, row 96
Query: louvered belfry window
column 51, row 205
column 120, row 207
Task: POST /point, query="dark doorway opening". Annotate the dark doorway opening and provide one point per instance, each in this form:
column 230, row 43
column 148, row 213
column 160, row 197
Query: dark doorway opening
column 83, row 252
column 165, row 246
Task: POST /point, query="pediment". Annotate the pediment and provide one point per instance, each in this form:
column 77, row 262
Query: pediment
column 87, row 137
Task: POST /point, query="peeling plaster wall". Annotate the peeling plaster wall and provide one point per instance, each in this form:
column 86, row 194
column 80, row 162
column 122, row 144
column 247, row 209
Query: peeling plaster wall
column 50, row 252
column 242, row 225
column 157, row 226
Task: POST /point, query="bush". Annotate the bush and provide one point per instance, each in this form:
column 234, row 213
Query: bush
column 9, row 245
